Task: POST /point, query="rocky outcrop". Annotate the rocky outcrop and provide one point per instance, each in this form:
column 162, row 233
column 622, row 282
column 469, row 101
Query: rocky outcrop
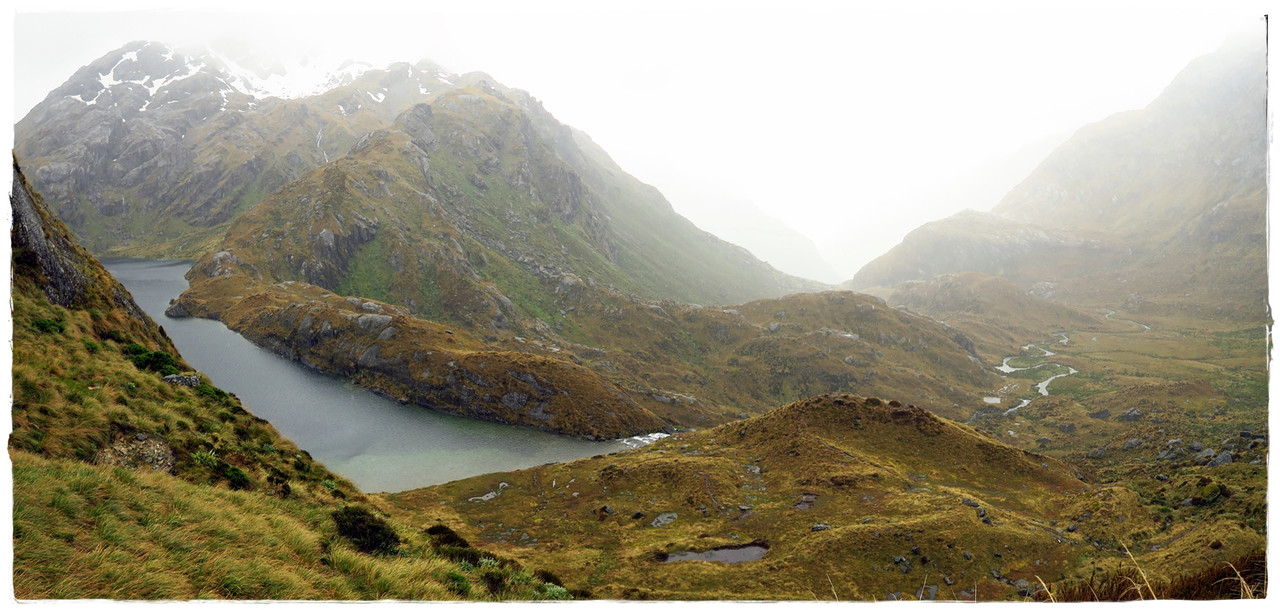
column 381, row 347
column 137, row 452
column 45, row 252
column 189, row 381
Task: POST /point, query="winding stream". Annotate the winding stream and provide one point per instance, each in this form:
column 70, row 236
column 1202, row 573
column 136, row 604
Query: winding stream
column 1043, row 387
column 380, row 444
column 1062, row 339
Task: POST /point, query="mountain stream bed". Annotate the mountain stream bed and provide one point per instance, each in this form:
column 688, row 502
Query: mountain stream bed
column 1028, row 353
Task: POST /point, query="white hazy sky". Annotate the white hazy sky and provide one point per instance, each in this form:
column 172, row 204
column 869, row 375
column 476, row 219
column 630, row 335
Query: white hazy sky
column 847, row 121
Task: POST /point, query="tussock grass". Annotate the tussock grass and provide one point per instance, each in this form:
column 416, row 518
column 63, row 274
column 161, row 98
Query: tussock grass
column 1243, row 578
column 84, row 531
column 241, row 512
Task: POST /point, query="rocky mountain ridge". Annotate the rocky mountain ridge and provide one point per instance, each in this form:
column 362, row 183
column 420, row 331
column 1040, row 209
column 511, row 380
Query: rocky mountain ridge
column 150, row 152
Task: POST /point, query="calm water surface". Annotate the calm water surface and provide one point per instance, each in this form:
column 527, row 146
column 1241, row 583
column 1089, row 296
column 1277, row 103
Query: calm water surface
column 379, row 444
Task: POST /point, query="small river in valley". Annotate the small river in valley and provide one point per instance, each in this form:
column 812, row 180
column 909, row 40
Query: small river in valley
column 379, row 444
column 1029, row 352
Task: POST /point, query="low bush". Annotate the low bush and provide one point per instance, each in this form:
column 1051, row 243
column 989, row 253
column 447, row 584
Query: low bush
column 367, row 531
column 159, row 362
column 49, row 325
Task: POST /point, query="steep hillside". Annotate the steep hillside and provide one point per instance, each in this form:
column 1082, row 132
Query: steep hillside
column 149, row 151
column 1161, row 209
column 834, row 497
column 128, row 485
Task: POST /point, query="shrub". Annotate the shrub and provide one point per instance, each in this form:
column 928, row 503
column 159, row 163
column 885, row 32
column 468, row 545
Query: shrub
column 495, row 581
column 160, row 362
column 237, row 478
column 209, row 391
column 208, row 459
column 556, row 592
column 442, row 535
column 91, row 346
column 458, row 583
column 49, row 325
column 369, row 532
column 548, row 578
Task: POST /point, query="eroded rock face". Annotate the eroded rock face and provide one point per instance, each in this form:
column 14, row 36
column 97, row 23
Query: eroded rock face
column 189, row 381
column 137, row 452
column 45, row 251
column 425, row 364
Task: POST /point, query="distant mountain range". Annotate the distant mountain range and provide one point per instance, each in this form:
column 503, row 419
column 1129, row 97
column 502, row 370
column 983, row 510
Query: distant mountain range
column 149, row 151
column 1160, row 210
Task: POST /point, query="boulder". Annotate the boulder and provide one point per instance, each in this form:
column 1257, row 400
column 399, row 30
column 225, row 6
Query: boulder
column 190, row 381
column 1131, row 415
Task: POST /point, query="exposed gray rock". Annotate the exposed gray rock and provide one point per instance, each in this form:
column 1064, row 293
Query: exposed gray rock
column 1132, row 443
column 141, row 451
column 176, row 310
column 190, row 381
column 1222, row 459
column 664, row 519
column 515, row 400
column 1132, row 414
column 372, row 321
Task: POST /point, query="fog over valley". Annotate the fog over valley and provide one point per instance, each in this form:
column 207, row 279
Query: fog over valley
column 557, row 300
column 848, row 124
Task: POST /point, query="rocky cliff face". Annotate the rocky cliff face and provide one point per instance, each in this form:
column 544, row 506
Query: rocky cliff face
column 1163, row 208
column 150, row 147
column 48, row 257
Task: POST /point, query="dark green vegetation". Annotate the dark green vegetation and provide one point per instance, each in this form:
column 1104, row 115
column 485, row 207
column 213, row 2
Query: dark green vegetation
column 128, row 487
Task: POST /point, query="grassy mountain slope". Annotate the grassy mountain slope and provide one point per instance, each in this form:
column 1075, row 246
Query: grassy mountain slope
column 999, row 316
column 469, row 215
column 129, row 487
column 1160, row 210
column 854, row 499
column 151, row 152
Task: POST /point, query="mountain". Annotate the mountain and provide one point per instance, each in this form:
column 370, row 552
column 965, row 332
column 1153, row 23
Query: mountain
column 127, row 485
column 150, row 151
column 478, row 224
column 1162, row 208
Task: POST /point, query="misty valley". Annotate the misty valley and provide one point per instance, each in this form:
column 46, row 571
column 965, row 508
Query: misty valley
column 408, row 336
